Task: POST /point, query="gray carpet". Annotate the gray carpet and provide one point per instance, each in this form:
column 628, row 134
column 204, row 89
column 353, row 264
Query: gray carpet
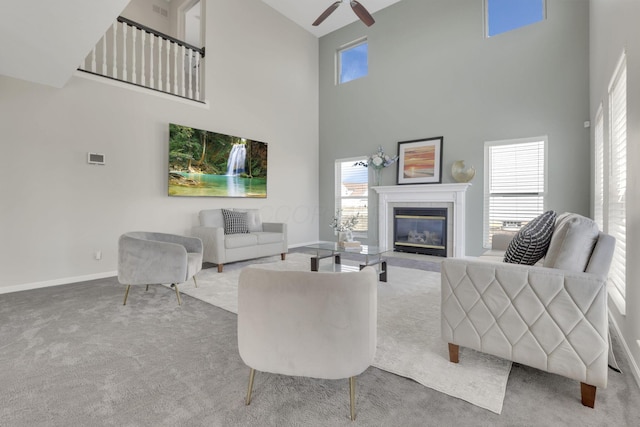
column 73, row 355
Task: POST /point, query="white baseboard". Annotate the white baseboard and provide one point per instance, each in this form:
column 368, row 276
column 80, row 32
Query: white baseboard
column 632, row 363
column 56, row 282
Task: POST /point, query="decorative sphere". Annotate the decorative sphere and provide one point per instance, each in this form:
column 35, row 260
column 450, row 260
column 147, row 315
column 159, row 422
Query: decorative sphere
column 460, row 174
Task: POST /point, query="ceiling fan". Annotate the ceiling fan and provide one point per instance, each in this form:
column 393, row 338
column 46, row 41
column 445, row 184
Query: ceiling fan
column 358, row 9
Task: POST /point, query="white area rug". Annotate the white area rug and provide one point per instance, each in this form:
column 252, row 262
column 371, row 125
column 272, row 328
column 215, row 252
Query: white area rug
column 409, row 342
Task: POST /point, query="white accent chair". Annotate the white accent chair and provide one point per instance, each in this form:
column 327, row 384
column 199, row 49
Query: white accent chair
column 310, row 324
column 147, row 258
column 551, row 316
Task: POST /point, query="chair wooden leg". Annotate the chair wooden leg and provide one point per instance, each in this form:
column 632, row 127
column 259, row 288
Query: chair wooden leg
column 283, row 256
column 588, row 394
column 177, row 293
column 352, row 397
column 195, row 281
column 454, row 352
column 126, row 294
column 252, row 374
column 220, row 268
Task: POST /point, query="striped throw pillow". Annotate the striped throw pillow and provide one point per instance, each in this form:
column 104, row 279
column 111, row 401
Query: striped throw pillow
column 530, row 244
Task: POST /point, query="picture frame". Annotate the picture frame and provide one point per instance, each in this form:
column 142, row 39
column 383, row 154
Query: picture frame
column 211, row 164
column 420, row 161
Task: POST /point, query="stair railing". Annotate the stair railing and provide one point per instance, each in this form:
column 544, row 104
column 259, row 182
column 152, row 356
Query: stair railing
column 133, row 53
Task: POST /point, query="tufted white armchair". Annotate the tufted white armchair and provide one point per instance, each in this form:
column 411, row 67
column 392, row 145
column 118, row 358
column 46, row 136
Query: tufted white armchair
column 548, row 318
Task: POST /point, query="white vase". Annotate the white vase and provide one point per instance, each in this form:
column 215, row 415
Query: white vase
column 345, row 236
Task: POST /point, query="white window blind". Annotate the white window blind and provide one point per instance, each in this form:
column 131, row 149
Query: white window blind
column 598, row 184
column 514, row 184
column 618, row 175
column 352, row 192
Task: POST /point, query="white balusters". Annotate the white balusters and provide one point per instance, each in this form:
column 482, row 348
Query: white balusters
column 93, row 60
column 151, row 77
column 167, row 86
column 175, row 69
column 189, row 72
column 134, row 33
column 183, row 92
column 160, row 63
column 104, row 55
column 196, row 70
column 170, row 67
column 114, row 72
column 143, row 71
column 125, row 75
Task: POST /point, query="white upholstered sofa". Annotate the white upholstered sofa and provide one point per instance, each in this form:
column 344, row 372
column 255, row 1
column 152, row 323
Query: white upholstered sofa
column 551, row 316
column 227, row 239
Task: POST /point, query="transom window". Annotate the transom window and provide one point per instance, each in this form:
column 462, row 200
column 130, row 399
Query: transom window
column 352, row 192
column 514, row 192
column 352, row 61
column 506, row 15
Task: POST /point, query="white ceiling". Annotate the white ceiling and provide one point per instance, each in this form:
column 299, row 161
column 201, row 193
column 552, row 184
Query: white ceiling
column 45, row 41
column 304, row 12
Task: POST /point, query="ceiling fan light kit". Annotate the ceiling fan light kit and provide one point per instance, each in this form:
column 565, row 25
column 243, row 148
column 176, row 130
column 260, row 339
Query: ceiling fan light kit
column 357, row 8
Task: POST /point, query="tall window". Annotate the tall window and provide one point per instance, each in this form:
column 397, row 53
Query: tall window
column 515, row 172
column 352, row 192
column 353, row 61
column 506, row 15
column 616, row 220
column 598, row 184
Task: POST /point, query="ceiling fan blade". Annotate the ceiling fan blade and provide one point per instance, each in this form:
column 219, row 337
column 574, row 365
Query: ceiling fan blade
column 326, row 13
column 362, row 13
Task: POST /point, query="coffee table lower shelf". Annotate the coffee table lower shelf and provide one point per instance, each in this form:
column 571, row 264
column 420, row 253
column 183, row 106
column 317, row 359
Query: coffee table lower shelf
column 335, row 251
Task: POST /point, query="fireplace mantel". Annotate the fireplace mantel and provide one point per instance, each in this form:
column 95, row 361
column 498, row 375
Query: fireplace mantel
column 453, row 194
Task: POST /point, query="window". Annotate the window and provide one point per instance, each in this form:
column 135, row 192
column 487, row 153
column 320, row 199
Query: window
column 353, row 61
column 506, row 15
column 515, row 172
column 598, row 184
column 616, row 200
column 352, row 192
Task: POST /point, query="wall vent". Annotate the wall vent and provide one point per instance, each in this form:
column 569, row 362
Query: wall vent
column 160, row 11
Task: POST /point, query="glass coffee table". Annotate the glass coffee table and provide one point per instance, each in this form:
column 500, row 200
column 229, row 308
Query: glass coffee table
column 372, row 256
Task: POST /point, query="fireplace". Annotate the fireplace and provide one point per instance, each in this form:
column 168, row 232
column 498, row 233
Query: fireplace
column 420, row 230
column 450, row 196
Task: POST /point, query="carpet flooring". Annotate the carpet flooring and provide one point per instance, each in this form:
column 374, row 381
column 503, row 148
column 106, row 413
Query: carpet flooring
column 409, row 342
column 73, row 355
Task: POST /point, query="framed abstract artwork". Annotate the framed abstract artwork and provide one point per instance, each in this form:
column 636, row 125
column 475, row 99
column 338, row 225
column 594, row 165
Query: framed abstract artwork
column 420, row 161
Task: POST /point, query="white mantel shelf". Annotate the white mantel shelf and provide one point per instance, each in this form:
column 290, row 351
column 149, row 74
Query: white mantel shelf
column 426, row 193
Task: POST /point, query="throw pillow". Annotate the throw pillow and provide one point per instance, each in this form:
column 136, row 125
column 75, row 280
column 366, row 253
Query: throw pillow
column 530, row 244
column 572, row 243
column 234, row 222
column 253, row 219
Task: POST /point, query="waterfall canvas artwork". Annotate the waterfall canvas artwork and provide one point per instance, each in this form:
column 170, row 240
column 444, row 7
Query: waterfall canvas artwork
column 210, row 164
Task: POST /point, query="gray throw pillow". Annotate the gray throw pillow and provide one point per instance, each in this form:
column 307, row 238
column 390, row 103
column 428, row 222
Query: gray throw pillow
column 573, row 241
column 234, row 222
column 530, row 244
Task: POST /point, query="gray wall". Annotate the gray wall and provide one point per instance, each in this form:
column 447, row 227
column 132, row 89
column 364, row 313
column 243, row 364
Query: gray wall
column 432, row 73
column 614, row 27
column 56, row 210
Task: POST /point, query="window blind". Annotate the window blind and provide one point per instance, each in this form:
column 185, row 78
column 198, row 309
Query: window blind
column 618, row 175
column 598, row 185
column 352, row 192
column 514, row 188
